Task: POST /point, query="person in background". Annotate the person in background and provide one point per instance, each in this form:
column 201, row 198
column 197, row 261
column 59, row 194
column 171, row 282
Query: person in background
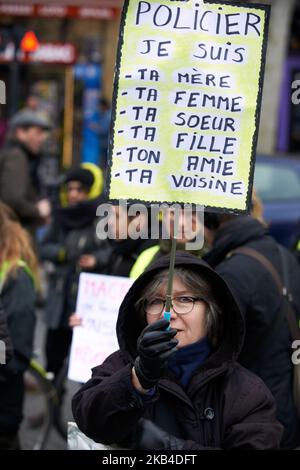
column 18, row 282
column 32, row 103
column 123, row 252
column 104, row 128
column 190, row 234
column 267, row 347
column 101, row 128
column 18, row 169
column 71, row 246
column 176, row 385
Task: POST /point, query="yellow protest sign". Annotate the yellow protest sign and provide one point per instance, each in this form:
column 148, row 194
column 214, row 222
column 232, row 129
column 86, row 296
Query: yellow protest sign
column 186, row 102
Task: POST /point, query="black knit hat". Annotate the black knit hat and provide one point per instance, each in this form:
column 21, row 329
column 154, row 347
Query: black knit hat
column 84, row 176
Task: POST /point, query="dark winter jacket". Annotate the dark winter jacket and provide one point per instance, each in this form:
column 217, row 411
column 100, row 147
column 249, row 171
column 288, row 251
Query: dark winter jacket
column 17, row 183
column 223, row 406
column 267, row 346
column 18, row 300
column 72, row 234
column 6, row 350
column 18, row 297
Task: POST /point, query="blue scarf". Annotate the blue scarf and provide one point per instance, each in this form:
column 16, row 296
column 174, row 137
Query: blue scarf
column 187, row 359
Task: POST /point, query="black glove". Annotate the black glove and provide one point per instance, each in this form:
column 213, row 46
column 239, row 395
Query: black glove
column 155, row 345
column 149, row 436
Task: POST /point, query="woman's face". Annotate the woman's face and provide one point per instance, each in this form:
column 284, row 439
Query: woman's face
column 76, row 193
column 190, row 326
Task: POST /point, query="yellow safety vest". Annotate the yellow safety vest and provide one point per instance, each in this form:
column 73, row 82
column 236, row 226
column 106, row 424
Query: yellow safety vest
column 4, row 268
column 143, row 260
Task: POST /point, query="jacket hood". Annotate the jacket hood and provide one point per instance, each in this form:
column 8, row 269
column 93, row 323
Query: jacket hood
column 95, row 190
column 129, row 327
column 233, row 233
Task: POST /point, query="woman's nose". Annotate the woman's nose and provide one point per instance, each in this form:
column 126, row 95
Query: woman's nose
column 173, row 313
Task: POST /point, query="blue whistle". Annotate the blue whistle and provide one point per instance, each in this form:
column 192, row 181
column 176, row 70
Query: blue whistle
column 167, row 316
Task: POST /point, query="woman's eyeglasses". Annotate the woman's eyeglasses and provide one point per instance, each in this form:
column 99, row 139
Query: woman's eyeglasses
column 180, row 305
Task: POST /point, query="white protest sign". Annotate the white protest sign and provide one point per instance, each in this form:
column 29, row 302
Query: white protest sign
column 98, row 301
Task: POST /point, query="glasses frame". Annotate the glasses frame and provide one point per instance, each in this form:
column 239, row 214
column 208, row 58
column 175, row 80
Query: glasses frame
column 195, row 299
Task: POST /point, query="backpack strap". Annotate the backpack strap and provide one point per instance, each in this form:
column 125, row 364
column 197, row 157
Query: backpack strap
column 244, row 250
column 283, row 289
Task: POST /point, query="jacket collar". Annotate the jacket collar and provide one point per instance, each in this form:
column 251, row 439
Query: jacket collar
column 13, row 142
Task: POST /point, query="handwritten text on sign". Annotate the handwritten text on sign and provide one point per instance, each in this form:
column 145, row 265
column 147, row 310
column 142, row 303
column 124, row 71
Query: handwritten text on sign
column 187, row 95
column 98, row 302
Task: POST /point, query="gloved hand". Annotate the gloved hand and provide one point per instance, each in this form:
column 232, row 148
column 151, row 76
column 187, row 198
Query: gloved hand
column 155, row 345
column 151, row 437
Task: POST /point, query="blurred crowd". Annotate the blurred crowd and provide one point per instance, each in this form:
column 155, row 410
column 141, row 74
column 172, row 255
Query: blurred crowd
column 59, row 238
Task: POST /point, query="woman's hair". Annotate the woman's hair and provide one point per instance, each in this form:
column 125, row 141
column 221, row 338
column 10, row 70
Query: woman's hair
column 199, row 286
column 257, row 209
column 15, row 243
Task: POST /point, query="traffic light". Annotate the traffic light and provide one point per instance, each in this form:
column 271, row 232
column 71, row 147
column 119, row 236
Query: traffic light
column 29, row 42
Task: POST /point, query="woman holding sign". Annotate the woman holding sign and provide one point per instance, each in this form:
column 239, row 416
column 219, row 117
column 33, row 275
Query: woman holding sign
column 176, row 385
